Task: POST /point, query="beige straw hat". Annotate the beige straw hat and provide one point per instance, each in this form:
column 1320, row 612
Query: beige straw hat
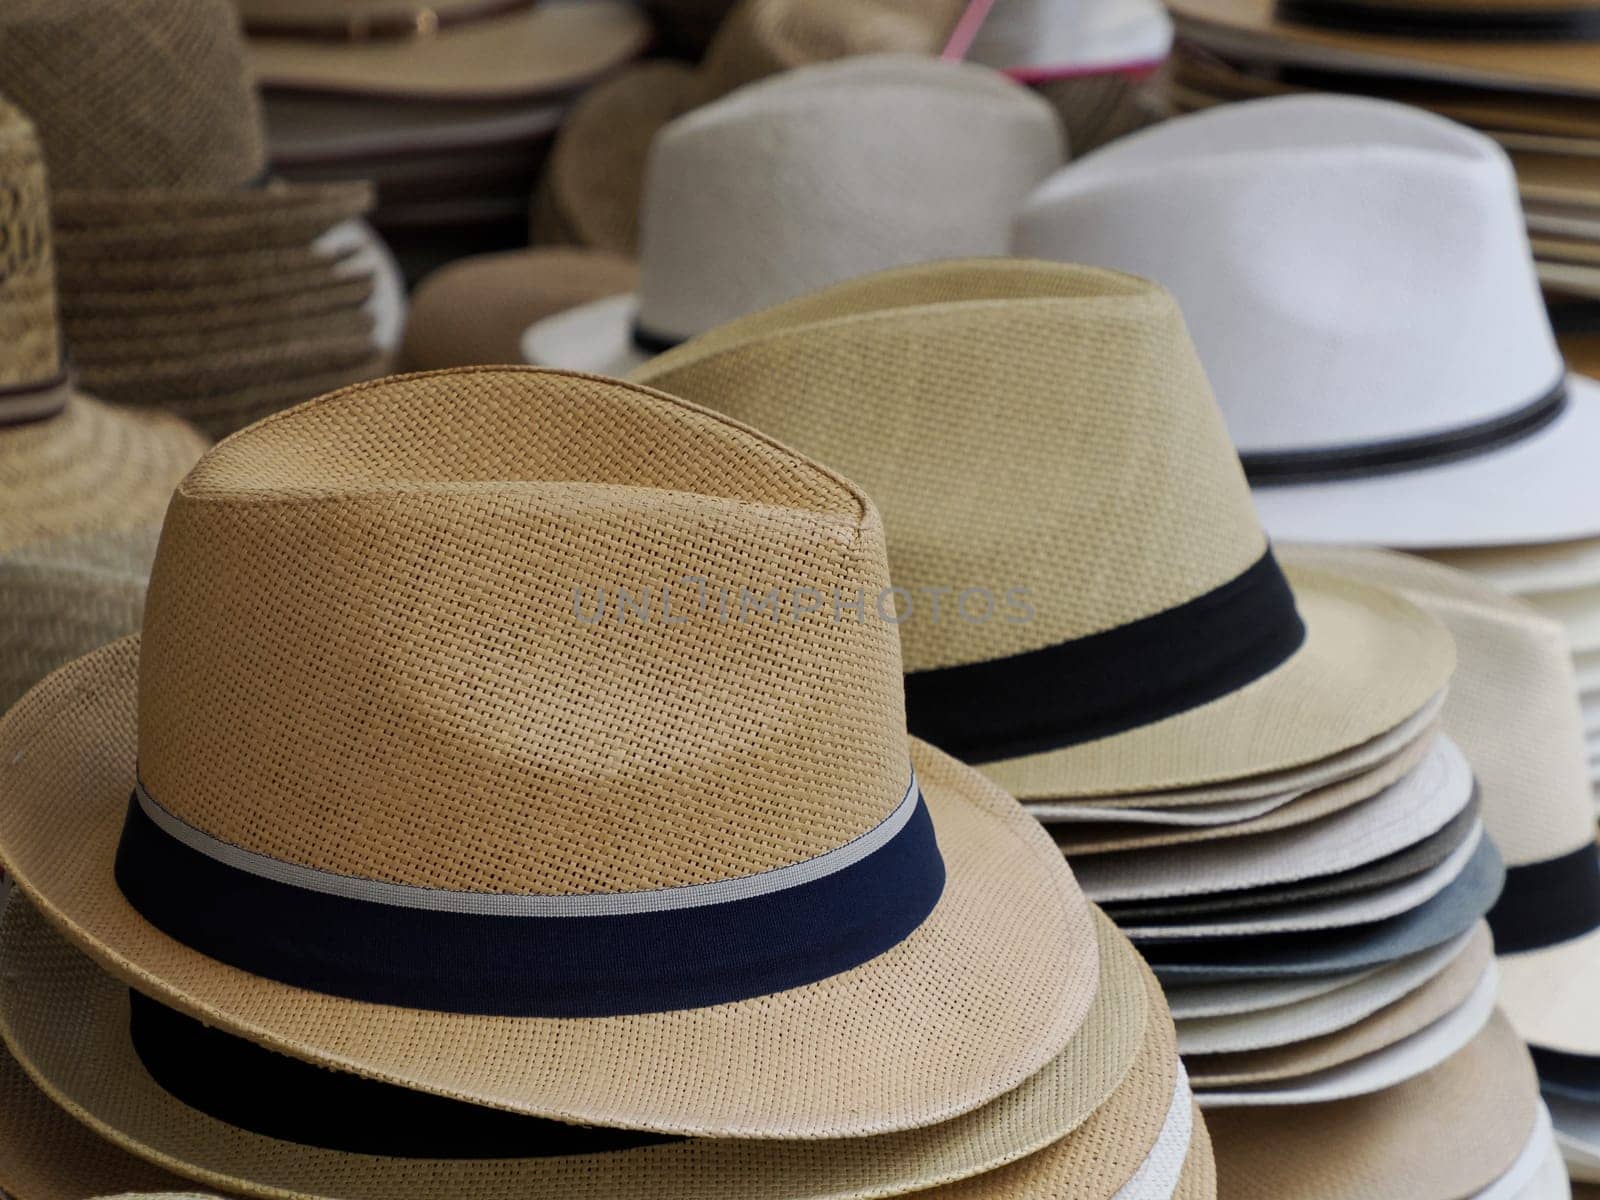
column 375, row 682
column 1444, row 1135
column 68, row 464
column 70, row 1024
column 455, row 49
column 594, row 185
column 1041, row 437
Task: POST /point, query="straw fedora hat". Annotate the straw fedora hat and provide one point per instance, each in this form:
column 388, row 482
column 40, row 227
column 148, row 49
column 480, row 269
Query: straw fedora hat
column 1432, row 1138
column 1511, row 706
column 762, row 196
column 593, row 188
column 455, row 49
column 1260, row 31
column 188, row 1098
column 588, row 755
column 1137, row 544
column 1419, row 382
column 68, row 464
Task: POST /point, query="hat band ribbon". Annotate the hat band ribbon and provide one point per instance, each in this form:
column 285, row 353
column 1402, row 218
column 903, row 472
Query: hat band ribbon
column 595, row 955
column 34, row 401
column 1112, row 681
column 1323, row 464
column 1548, row 902
column 1567, row 1075
column 648, row 341
column 402, row 24
column 1400, row 21
column 263, row 1092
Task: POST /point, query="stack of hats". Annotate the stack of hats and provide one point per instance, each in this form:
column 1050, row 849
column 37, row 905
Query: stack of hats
column 82, row 484
column 444, row 834
column 1245, row 766
column 1526, row 74
column 778, row 188
column 1092, row 61
column 448, row 109
column 593, row 185
column 189, row 280
column 1382, row 387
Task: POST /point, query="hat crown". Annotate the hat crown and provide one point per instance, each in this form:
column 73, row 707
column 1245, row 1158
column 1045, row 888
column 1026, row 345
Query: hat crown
column 1353, row 271
column 131, row 94
column 825, row 174
column 30, row 337
column 1023, row 425
column 372, row 648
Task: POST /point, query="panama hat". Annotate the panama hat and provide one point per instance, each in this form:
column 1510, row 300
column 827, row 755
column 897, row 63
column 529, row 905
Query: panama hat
column 460, row 49
column 1191, row 1002
column 1328, row 1011
column 1258, row 29
column 1431, row 1138
column 593, row 188
column 68, row 464
column 1449, row 914
column 1422, row 382
column 1511, row 705
column 492, row 750
column 1091, row 561
column 762, row 196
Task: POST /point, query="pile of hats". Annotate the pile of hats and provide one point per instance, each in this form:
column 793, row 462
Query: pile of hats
column 189, row 279
column 497, row 859
column 1244, row 766
column 1525, row 74
column 448, row 109
column 1384, row 388
column 82, row 484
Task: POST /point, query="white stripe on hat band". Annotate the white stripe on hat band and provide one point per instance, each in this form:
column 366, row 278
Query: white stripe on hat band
column 488, row 904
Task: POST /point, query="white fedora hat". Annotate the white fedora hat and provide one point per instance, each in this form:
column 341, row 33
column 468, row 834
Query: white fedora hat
column 825, row 173
column 1382, row 384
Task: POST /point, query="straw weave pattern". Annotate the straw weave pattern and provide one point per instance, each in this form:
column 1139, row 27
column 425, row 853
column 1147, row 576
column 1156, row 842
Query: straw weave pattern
column 30, row 350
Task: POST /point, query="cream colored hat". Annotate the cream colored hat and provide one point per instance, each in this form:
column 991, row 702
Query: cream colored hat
column 215, row 1108
column 788, row 185
column 1051, row 465
column 68, row 464
column 379, row 717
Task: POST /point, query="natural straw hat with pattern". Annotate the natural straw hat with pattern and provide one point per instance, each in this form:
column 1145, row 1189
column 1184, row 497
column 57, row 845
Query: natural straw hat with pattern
column 1041, row 437
column 408, row 804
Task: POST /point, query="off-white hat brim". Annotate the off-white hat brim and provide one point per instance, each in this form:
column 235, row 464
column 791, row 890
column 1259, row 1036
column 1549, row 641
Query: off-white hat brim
column 1544, row 489
column 1552, row 995
column 596, row 338
column 1538, row 1173
column 963, row 979
column 1204, row 1001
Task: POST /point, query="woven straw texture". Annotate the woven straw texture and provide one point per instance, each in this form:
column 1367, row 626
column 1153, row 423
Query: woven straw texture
column 134, row 93
column 396, row 564
column 1199, row 1178
column 1048, row 427
column 1442, row 1136
column 60, row 999
column 28, row 331
column 63, row 597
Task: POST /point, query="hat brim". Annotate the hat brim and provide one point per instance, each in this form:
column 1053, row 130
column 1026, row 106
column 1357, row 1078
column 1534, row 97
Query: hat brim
column 1369, row 662
column 1384, row 1068
column 1435, row 1137
column 1205, row 1000
column 1577, row 610
column 1545, row 485
column 986, row 991
column 1448, row 915
column 1328, row 1012
column 67, row 1023
column 1549, row 994
column 476, row 310
column 1526, row 570
column 534, row 51
column 596, row 338
column 93, row 466
column 1251, row 29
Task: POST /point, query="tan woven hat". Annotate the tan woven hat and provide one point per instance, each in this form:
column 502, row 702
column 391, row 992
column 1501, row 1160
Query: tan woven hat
column 456, row 49
column 376, row 685
column 68, row 463
column 1041, row 438
column 170, row 1091
column 594, row 186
